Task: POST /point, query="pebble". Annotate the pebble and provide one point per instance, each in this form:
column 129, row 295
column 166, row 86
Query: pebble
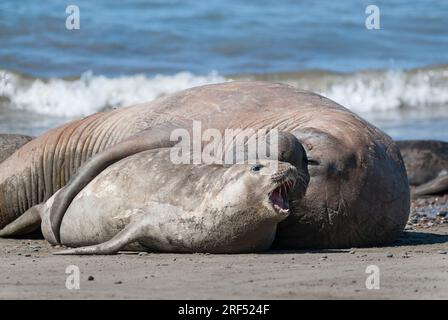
column 143, row 254
column 118, row 282
column 352, row 252
column 442, row 214
column 90, row 278
column 442, row 252
column 389, row 255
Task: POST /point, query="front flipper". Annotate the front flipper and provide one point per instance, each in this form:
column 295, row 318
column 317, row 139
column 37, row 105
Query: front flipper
column 28, row 222
column 131, row 233
column 435, row 186
column 158, row 137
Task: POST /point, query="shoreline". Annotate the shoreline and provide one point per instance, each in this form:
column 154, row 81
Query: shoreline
column 415, row 267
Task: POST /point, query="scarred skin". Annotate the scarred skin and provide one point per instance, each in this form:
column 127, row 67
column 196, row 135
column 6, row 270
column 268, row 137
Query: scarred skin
column 358, row 193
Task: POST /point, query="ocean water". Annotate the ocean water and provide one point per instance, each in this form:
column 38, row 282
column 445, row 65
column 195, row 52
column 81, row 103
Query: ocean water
column 127, row 52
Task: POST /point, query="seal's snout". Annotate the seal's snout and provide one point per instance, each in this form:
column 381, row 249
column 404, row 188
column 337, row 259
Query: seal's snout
column 284, row 182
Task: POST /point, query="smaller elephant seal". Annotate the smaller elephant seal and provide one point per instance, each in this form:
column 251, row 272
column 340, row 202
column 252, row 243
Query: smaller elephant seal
column 145, row 202
column 426, row 164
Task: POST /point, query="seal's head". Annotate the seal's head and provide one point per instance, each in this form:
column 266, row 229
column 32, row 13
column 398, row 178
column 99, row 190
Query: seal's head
column 264, row 187
column 247, row 203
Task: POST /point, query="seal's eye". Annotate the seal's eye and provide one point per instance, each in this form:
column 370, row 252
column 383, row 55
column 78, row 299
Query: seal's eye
column 312, row 162
column 256, row 167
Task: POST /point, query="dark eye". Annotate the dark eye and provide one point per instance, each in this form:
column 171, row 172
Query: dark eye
column 256, row 167
column 312, row 162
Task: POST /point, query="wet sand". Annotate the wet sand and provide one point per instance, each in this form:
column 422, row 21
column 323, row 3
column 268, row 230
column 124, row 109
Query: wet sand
column 416, row 267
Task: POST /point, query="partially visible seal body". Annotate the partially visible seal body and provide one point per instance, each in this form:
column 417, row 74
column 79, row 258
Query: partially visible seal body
column 426, row 165
column 165, row 207
column 358, row 193
column 9, row 143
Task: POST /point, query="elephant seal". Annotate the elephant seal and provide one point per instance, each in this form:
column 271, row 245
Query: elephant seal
column 9, row 143
column 165, row 207
column 426, row 164
column 358, row 193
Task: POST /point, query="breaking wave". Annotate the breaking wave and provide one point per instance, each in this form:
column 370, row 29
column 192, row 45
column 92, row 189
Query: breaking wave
column 363, row 92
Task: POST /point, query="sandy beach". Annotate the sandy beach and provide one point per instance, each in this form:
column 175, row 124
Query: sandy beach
column 415, row 267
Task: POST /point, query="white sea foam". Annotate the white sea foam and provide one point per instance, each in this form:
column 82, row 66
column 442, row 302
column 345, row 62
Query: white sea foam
column 367, row 92
column 372, row 91
column 90, row 93
column 362, row 92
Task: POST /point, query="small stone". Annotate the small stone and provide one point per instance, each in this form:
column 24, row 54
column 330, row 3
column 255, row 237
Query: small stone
column 352, row 251
column 118, row 282
column 28, row 255
column 442, row 214
column 141, row 254
column 442, row 252
column 90, row 278
column 389, row 255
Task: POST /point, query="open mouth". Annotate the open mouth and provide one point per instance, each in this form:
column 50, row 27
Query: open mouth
column 279, row 197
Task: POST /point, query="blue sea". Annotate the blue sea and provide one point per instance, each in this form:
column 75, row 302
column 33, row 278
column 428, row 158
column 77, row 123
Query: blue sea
column 127, row 52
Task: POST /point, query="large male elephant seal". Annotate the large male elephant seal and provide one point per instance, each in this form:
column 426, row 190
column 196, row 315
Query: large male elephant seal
column 147, row 200
column 358, row 193
column 426, row 164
